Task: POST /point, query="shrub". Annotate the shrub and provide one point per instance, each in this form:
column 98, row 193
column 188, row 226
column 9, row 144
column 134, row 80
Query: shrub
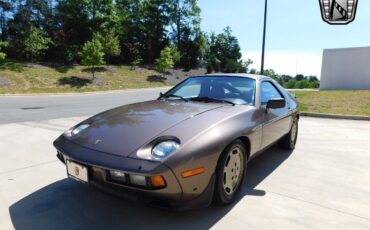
column 168, row 57
column 290, row 84
column 303, row 84
column 92, row 54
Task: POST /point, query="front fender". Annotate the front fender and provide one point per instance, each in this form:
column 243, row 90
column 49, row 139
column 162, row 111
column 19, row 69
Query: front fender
column 204, row 148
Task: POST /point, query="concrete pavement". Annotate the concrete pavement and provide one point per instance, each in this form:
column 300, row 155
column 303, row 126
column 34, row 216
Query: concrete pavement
column 323, row 184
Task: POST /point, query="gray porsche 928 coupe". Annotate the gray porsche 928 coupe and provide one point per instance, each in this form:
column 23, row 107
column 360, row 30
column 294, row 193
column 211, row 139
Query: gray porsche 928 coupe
column 186, row 148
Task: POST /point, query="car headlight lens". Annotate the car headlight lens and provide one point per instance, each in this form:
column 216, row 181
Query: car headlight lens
column 165, row 148
column 75, row 131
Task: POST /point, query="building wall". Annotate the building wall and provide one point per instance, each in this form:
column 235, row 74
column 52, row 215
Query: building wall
column 346, row 69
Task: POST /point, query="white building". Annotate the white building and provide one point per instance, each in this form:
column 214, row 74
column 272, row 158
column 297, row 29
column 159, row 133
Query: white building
column 347, row 69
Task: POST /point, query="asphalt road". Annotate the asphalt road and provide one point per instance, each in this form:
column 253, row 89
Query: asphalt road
column 322, row 184
column 34, row 108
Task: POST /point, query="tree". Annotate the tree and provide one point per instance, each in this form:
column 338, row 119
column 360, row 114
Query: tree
column 28, row 13
column 103, row 15
column 168, row 57
column 74, row 28
column 224, row 53
column 92, row 55
column 2, row 54
column 110, row 43
column 290, row 84
column 186, row 33
column 312, row 78
column 286, row 78
column 303, row 84
column 201, row 44
column 134, row 55
column 36, row 42
column 299, row 77
column 134, row 30
column 155, row 22
column 314, row 84
column 185, row 15
column 164, row 61
column 246, row 64
column 194, row 49
column 253, row 71
column 270, row 73
column 5, row 8
column 25, row 17
column 176, row 56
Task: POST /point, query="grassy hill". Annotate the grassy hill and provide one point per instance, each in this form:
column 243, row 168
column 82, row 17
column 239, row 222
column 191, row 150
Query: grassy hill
column 18, row 77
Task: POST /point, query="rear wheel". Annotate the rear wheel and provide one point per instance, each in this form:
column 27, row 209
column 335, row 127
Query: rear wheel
column 230, row 172
column 290, row 139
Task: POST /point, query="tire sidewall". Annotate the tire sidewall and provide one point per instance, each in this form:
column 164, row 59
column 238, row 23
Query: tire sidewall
column 221, row 196
column 292, row 144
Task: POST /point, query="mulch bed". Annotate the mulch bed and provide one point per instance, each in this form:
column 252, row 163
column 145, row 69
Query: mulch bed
column 175, row 76
column 110, row 69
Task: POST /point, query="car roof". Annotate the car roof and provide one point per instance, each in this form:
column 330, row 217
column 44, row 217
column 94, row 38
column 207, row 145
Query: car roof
column 252, row 76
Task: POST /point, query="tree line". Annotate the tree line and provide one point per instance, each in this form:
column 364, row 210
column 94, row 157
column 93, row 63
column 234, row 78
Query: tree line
column 93, row 32
column 298, row 81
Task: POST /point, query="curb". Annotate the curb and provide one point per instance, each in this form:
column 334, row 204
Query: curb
column 336, row 116
column 304, row 90
column 83, row 93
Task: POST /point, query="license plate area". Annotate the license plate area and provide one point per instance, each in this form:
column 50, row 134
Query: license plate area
column 77, row 171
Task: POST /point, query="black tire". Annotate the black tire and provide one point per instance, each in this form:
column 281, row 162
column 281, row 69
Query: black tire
column 290, row 139
column 223, row 194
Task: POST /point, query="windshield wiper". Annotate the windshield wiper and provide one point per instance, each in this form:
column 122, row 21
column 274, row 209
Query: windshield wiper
column 177, row 96
column 211, row 99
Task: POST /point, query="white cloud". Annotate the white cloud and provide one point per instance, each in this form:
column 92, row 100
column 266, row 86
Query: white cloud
column 287, row 63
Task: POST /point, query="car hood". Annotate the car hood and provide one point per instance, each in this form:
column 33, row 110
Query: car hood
column 123, row 130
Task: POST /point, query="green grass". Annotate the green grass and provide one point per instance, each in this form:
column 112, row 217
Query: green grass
column 22, row 78
column 335, row 102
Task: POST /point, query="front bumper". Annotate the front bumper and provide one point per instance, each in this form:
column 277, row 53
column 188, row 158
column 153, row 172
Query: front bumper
column 99, row 164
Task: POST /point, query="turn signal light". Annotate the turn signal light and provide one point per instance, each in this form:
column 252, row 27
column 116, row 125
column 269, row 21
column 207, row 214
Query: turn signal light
column 192, row 172
column 157, row 181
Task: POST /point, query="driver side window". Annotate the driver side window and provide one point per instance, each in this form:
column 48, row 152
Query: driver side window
column 268, row 91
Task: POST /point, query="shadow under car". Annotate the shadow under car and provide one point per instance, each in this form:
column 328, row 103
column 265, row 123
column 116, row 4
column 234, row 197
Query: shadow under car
column 66, row 204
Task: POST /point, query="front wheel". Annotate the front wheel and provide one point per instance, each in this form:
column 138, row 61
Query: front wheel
column 290, row 139
column 230, row 172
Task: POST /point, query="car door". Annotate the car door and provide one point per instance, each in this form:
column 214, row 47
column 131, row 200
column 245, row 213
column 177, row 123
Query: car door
column 276, row 122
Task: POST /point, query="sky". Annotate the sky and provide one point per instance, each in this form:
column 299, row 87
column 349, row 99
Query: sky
column 296, row 34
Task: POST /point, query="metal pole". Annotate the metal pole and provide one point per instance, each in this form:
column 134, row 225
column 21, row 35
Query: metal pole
column 263, row 40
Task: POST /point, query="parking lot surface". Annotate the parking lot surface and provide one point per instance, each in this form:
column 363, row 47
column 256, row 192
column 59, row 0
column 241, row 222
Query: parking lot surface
column 323, row 184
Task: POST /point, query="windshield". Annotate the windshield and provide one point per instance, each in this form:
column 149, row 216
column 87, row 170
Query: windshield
column 236, row 90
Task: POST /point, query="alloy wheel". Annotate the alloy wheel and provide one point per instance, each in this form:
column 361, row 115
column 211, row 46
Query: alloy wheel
column 232, row 173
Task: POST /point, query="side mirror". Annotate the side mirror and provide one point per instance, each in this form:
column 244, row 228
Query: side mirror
column 160, row 95
column 276, row 103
